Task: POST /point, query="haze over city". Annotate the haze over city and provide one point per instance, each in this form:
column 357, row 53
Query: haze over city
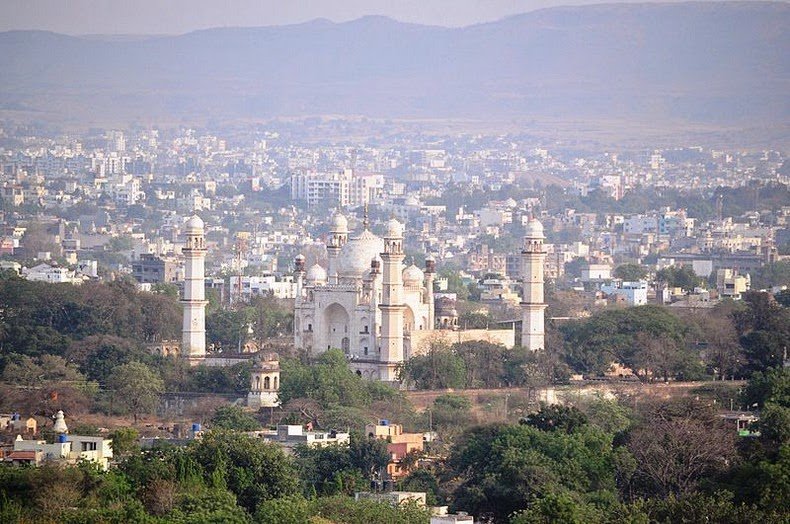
column 428, row 262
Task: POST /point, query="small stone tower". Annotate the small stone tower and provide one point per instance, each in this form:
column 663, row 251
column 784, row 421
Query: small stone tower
column 264, row 381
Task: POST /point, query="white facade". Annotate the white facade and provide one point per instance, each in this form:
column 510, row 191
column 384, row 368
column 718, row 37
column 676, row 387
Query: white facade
column 596, row 272
column 344, row 188
column 262, row 285
column 533, row 307
column 365, row 303
column 49, row 274
column 635, row 293
column 193, row 344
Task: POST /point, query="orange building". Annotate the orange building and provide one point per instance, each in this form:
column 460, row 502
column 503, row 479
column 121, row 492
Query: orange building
column 400, row 444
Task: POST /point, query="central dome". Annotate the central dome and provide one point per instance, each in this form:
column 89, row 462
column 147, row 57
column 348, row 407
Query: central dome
column 355, row 256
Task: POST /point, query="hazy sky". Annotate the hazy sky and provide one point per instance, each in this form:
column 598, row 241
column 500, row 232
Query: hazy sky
column 180, row 16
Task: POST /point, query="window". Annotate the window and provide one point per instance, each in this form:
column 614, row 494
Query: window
column 266, row 383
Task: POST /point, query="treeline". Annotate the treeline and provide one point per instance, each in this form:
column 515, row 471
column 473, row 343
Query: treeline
column 730, row 340
column 605, row 463
column 223, row 477
column 38, row 318
column 478, row 364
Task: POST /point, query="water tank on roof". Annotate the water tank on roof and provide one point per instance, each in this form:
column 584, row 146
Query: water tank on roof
column 63, row 438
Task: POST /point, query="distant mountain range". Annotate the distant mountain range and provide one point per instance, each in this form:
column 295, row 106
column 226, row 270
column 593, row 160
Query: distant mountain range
column 706, row 62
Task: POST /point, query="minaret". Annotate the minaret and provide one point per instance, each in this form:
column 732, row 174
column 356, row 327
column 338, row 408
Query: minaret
column 532, row 304
column 193, row 344
column 392, row 302
column 430, row 273
column 338, row 236
column 299, row 263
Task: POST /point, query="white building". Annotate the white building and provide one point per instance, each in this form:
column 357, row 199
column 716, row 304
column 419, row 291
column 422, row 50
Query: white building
column 284, row 287
column 634, row 293
column 365, row 302
column 344, row 188
column 49, row 274
column 68, row 448
column 593, row 272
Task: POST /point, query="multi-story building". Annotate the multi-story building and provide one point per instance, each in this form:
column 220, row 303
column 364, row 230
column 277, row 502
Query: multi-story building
column 344, row 188
column 151, row 269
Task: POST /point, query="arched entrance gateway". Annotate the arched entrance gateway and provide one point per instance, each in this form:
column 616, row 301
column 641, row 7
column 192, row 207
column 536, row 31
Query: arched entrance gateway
column 336, row 322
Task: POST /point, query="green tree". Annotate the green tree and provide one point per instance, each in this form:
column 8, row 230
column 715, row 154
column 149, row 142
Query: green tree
column 368, row 455
column 251, row 469
column 556, row 417
column 423, row 480
column 124, row 441
column 329, row 382
column 503, row 469
column 349, row 511
column 484, row 362
column 293, row 509
column 324, row 470
column 439, row 368
column 626, row 336
column 630, row 272
column 234, row 418
column 136, row 388
column 215, row 506
column 227, row 329
column 559, row 507
column 682, row 277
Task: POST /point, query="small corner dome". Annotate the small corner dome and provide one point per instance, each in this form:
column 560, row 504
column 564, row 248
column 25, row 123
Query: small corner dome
column 394, row 229
column 300, row 257
column 316, row 274
column 339, row 222
column 194, row 223
column 413, row 275
column 534, row 229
